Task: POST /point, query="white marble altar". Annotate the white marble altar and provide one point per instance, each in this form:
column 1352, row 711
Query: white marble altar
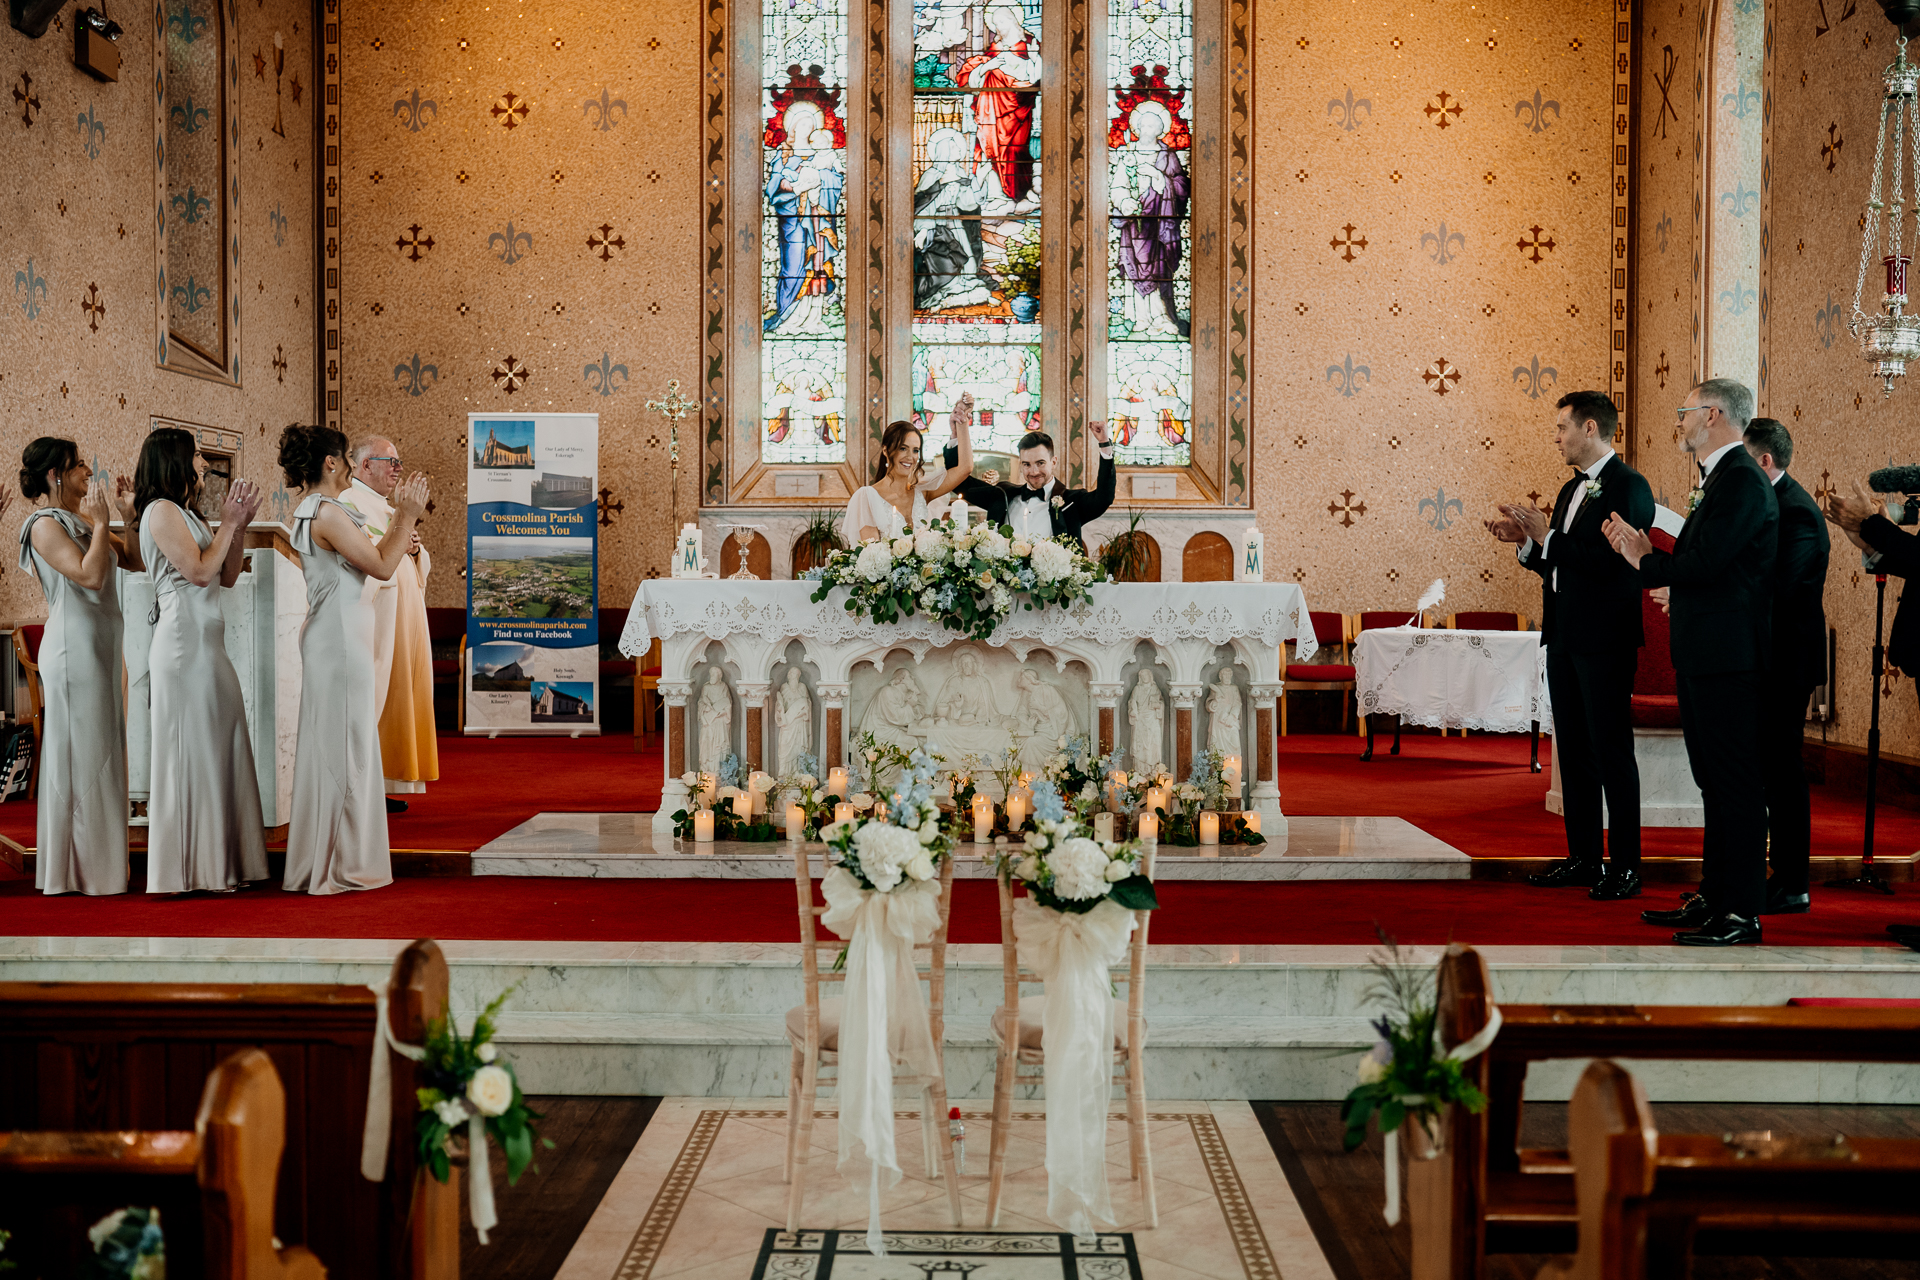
column 263, row 612
column 1669, row 797
column 1044, row 674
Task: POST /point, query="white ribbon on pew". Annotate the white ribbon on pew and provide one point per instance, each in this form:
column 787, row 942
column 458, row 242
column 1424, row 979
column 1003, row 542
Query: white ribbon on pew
column 377, row 1134
column 1465, row 1050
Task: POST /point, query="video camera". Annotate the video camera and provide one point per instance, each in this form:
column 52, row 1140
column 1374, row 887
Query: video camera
column 1904, row 481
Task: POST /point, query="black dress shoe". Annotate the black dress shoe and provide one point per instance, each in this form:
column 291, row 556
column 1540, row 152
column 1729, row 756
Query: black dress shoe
column 1568, row 874
column 1904, row 931
column 396, row 806
column 1616, row 886
column 1786, row 904
column 1722, row 929
column 1691, row 913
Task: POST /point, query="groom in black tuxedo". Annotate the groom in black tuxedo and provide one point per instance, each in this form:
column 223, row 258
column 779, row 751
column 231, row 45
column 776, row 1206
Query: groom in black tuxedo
column 1721, row 574
column 1040, row 506
column 1590, row 623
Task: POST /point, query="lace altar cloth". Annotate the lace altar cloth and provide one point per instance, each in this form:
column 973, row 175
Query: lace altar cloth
column 1491, row 680
column 1270, row 612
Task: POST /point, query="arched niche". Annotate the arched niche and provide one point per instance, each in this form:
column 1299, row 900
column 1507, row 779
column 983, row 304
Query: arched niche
column 1208, row 557
column 759, row 555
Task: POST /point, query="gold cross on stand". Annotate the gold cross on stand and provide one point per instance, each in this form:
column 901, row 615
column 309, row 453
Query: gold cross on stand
column 673, row 407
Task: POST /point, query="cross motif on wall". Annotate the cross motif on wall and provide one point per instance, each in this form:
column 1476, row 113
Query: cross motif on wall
column 1661, row 370
column 1347, row 245
column 1442, row 112
column 1345, row 508
column 28, row 100
column 608, row 507
column 1830, row 149
column 93, row 307
column 1533, row 247
column 509, row 111
column 510, row 376
column 413, row 244
column 1440, row 376
column 279, row 362
column 606, row 242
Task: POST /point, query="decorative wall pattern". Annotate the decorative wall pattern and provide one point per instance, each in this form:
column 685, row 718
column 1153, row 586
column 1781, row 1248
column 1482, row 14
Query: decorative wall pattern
column 80, row 253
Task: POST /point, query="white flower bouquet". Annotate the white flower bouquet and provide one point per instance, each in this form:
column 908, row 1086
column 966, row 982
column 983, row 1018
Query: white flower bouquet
column 896, row 840
column 468, row 1078
column 966, row 576
column 1065, row 869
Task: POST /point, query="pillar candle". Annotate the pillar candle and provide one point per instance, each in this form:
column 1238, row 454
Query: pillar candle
column 1148, row 827
column 837, row 782
column 1103, row 826
column 1209, row 827
column 743, row 806
column 1016, row 811
column 1253, row 550
column 958, row 508
column 703, row 826
column 796, row 821
column 843, row 812
column 1252, row 818
column 1230, row 776
column 1156, row 798
column 709, row 787
column 982, row 819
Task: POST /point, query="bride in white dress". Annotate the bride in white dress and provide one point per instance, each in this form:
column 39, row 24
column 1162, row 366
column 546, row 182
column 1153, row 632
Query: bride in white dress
column 900, row 496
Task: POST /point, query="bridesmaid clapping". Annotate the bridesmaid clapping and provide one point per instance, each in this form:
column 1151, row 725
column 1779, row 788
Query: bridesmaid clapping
column 337, row 838
column 204, row 823
column 65, row 542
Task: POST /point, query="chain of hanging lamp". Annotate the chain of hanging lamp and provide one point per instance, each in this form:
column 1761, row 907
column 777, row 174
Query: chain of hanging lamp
column 1889, row 338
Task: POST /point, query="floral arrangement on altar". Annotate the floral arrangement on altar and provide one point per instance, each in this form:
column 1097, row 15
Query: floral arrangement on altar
column 1205, row 788
column 900, row 840
column 718, row 791
column 468, row 1080
column 1406, row 1074
column 966, row 576
column 1065, row 869
column 1079, row 775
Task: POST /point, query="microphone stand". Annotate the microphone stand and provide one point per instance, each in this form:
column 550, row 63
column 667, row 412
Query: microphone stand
column 1870, row 877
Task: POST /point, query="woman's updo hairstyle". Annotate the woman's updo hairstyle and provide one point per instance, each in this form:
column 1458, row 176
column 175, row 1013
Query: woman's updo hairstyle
column 48, row 453
column 304, row 452
column 895, row 437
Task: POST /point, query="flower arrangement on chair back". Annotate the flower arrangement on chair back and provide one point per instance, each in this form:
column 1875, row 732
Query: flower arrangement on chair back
column 1066, row 870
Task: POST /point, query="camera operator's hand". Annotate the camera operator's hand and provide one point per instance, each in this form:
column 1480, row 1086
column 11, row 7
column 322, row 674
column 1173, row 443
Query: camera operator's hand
column 1852, row 512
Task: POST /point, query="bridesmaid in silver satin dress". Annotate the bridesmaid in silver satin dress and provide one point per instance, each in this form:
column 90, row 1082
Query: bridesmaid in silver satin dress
column 66, row 544
column 204, row 825
column 337, row 835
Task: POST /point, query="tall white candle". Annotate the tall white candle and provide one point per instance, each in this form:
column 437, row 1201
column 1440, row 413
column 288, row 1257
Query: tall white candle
column 837, row 782
column 1016, row 810
column 982, row 819
column 796, row 821
column 703, row 826
column 1148, row 826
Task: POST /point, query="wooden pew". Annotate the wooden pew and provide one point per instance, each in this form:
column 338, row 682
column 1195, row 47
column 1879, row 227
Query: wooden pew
column 214, row 1186
column 1484, row 1194
column 1642, row 1195
column 133, row 1055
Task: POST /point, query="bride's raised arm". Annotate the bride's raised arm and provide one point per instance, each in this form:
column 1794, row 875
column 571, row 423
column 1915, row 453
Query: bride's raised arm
column 962, row 421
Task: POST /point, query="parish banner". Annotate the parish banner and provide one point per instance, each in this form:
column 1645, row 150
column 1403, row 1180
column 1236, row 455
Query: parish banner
column 533, row 574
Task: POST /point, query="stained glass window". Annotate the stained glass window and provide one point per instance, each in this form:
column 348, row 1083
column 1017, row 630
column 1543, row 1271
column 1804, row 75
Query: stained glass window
column 976, row 217
column 803, row 225
column 1150, row 232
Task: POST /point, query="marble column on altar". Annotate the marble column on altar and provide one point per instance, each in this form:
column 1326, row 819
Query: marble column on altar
column 1106, row 703
column 833, row 716
column 1185, row 694
column 753, row 698
column 674, row 794
column 1265, row 794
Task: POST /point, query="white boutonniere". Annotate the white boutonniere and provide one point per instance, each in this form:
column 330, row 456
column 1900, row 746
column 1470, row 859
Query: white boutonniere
column 1693, row 498
column 1593, row 488
column 1058, row 502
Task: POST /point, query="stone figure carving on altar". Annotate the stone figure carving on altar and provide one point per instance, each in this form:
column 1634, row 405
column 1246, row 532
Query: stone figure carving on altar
column 1147, row 714
column 792, row 723
column 1224, row 706
column 897, row 711
column 966, row 715
column 714, row 712
column 1043, row 718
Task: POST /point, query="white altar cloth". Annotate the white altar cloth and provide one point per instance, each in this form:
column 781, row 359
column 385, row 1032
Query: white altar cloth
column 1490, row 680
column 1217, row 612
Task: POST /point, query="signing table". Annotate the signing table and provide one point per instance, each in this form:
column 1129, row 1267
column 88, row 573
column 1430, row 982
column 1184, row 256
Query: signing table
column 757, row 670
column 1490, row 680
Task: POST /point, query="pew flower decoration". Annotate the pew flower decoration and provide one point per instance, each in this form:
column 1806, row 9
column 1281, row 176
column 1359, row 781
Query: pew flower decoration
column 467, row 1078
column 967, row 576
column 126, row 1243
column 1066, row 870
column 896, row 840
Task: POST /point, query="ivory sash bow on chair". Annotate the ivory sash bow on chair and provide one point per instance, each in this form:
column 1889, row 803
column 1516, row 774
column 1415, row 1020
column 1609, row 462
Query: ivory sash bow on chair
column 1462, row 1052
column 884, row 1019
column 378, row 1132
column 1072, row 954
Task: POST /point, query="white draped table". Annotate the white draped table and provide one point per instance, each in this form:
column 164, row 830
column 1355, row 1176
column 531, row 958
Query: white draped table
column 1088, row 662
column 1490, row 680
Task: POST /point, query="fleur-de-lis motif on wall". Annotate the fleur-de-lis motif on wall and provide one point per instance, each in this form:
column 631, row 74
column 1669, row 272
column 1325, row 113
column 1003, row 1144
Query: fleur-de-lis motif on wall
column 93, row 132
column 192, row 206
column 279, row 221
column 186, row 24
column 1741, row 102
column 190, row 118
column 1739, row 202
column 416, row 375
column 1347, row 107
column 1538, row 378
column 1826, row 323
column 1347, row 373
column 193, row 295
column 415, row 110
column 509, row 243
column 26, row 284
column 282, row 504
column 1665, row 228
column 601, row 109
column 1536, row 112
column 1738, row 299
column 599, row 376
column 1445, row 510
column 1445, row 244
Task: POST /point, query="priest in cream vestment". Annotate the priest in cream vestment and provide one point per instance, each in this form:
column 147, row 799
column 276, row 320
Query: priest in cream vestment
column 403, row 654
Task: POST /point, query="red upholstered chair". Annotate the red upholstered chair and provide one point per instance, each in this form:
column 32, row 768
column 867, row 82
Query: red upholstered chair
column 1656, row 702
column 646, row 692
column 447, row 639
column 1485, row 621
column 1330, row 633
column 26, row 651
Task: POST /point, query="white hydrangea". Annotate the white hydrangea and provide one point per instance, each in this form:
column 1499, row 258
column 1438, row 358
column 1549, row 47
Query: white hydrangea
column 929, row 543
column 1002, row 599
column 928, row 599
column 1051, row 561
column 875, row 562
column 1079, row 869
column 962, row 557
column 993, row 545
column 885, row 851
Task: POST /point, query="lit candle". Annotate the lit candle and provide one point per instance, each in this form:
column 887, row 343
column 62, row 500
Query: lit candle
column 1149, row 827
column 1252, row 818
column 703, row 826
column 1156, row 798
column 743, row 806
column 837, row 782
column 1209, row 827
column 1103, row 826
column 1016, row 811
column 796, row 821
column 843, row 812
column 1116, row 788
column 982, row 819
column 1230, row 776
column 709, row 787
column 959, row 509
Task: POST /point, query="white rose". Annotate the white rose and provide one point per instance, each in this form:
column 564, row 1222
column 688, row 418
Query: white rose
column 902, row 547
column 1021, row 547
column 832, row 830
column 1051, row 561
column 861, row 801
column 1037, row 841
column 1118, row 869
column 727, row 793
column 929, row 544
column 920, row 867
column 875, row 562
column 872, row 756
column 806, row 781
column 689, row 779
column 1370, row 1071
column 451, row 1111
column 491, row 1091
column 760, row 781
column 929, row 830
column 487, row 1053
column 1028, row 869
column 1079, row 869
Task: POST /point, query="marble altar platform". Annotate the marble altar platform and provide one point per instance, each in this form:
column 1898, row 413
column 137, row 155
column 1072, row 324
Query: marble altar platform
column 624, row 845
column 1227, row 1022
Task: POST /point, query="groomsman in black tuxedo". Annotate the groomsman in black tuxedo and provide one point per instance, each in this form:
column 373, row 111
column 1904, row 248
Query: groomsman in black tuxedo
column 1721, row 577
column 1590, row 623
column 1799, row 663
column 1041, row 506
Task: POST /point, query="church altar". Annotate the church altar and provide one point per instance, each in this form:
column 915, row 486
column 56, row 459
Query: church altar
column 756, row 669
